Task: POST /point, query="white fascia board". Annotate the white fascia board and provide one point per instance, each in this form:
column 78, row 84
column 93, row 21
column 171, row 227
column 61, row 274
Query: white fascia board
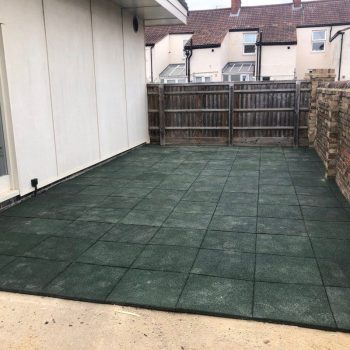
column 175, row 8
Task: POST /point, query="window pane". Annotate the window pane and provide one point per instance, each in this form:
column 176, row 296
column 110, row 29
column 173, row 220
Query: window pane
column 319, row 35
column 198, row 79
column 249, row 38
column 249, row 48
column 207, row 79
column 181, row 81
column 318, row 46
column 170, row 81
column 226, row 77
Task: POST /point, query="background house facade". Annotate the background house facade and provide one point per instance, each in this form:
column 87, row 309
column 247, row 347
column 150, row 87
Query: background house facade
column 73, row 84
column 274, row 42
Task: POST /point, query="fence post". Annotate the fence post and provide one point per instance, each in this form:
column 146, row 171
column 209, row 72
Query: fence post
column 297, row 113
column 161, row 115
column 230, row 101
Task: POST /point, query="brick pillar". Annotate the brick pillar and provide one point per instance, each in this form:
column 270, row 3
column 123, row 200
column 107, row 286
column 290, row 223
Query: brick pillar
column 316, row 76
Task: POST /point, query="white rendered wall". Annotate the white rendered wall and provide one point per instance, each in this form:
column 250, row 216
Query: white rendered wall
column 29, row 90
column 306, row 58
column 335, row 54
column 110, row 79
column 135, row 81
column 278, row 62
column 176, row 44
column 70, row 104
column 161, row 57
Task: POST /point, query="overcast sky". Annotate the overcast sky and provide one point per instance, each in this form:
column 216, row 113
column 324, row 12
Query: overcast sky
column 212, row 4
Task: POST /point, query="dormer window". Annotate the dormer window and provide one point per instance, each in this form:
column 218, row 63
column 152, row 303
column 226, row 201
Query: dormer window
column 249, row 43
column 318, row 40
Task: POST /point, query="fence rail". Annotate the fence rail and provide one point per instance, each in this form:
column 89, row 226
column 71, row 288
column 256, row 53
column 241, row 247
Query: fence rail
column 273, row 112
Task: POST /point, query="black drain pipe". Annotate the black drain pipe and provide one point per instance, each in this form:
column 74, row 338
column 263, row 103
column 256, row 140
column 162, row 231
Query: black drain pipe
column 188, row 53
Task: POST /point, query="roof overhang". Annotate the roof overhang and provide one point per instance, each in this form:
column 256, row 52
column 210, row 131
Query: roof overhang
column 156, row 12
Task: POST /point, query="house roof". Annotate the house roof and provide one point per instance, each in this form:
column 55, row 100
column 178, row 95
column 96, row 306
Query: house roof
column 277, row 23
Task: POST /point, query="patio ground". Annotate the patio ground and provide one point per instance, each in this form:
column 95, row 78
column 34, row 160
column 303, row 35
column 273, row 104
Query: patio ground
column 239, row 232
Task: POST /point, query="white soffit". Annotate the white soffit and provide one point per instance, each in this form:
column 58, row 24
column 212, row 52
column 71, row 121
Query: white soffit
column 156, row 12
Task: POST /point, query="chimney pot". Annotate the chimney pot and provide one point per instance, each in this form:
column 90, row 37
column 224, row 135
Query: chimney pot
column 235, row 6
column 297, row 4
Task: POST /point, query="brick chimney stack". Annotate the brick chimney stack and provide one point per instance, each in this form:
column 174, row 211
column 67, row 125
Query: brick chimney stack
column 235, row 6
column 297, row 4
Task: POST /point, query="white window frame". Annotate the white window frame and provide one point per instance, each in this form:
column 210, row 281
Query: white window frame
column 203, row 79
column 250, row 43
column 314, row 41
column 174, row 80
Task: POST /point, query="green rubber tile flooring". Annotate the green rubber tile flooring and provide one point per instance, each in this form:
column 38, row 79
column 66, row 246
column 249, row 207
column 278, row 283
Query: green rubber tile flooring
column 254, row 233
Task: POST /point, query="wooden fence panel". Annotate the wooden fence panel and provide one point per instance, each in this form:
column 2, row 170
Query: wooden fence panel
column 273, row 112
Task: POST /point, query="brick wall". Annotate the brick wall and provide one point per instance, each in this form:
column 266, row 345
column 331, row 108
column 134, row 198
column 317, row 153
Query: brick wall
column 316, row 76
column 332, row 131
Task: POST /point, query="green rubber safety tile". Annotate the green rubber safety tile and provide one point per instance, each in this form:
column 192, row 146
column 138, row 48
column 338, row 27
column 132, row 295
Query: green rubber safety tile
column 13, row 243
column 111, row 254
column 278, row 199
column 107, row 215
column 39, row 226
column 143, row 217
column 226, row 263
column 284, row 245
column 324, row 229
column 160, row 194
column 130, row 233
column 242, row 172
column 84, row 281
column 83, row 200
column 339, row 298
column 313, row 191
column 208, row 184
column 4, row 260
column 233, row 209
column 67, row 188
column 241, row 242
column 84, row 230
column 195, row 207
column 149, row 288
column 285, row 269
column 30, row 275
column 62, row 212
column 319, row 201
column 82, row 180
column 276, row 181
column 279, row 211
column 154, row 204
column 30, row 208
column 184, row 220
column 277, row 226
column 315, row 181
column 177, row 182
column 202, row 196
column 166, row 258
column 239, row 198
column 220, row 164
column 220, row 296
column 59, row 248
column 215, row 172
column 296, row 303
column 126, row 191
column 241, row 187
column 331, row 248
column 274, row 189
column 98, row 190
column 335, row 273
column 179, row 237
column 233, row 223
column 148, row 182
column 325, row 214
